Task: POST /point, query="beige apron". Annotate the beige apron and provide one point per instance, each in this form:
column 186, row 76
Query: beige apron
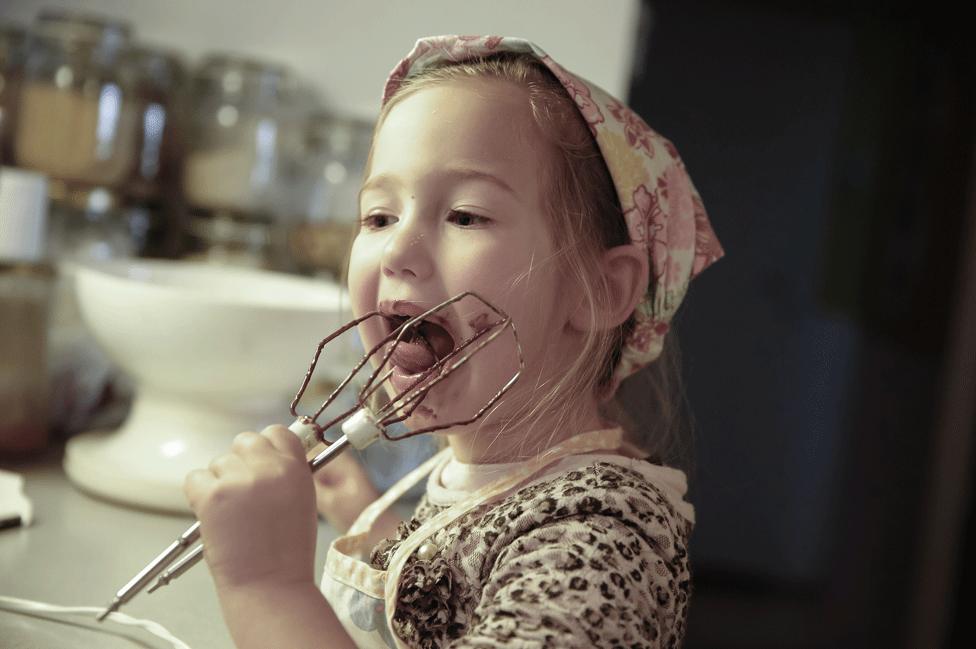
column 363, row 597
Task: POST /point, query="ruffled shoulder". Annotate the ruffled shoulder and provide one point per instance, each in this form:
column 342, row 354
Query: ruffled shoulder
column 606, row 489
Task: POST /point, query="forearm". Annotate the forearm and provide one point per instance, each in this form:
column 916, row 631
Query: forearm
column 294, row 615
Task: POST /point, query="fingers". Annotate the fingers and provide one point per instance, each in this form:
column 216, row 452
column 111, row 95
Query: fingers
column 251, row 443
column 284, row 441
column 200, row 483
column 249, row 452
column 227, row 465
column 270, row 444
column 196, row 484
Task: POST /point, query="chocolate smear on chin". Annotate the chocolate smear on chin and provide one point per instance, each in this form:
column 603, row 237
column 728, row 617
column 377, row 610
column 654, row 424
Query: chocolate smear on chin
column 424, row 411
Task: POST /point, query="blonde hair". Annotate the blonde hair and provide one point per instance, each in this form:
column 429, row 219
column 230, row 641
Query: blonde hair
column 585, row 220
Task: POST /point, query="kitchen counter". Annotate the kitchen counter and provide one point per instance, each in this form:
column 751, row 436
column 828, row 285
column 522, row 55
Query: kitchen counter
column 80, row 550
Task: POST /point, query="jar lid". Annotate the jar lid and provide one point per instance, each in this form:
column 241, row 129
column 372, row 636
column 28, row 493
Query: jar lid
column 68, row 25
column 233, row 76
column 12, row 40
column 23, row 214
column 158, row 67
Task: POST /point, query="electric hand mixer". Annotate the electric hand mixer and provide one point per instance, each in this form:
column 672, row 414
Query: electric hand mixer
column 360, row 425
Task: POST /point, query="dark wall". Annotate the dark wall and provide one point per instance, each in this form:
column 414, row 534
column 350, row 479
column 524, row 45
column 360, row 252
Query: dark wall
column 831, row 147
column 753, row 102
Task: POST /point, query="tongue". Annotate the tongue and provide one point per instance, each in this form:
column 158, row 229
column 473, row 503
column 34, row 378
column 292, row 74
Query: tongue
column 440, row 341
column 413, row 356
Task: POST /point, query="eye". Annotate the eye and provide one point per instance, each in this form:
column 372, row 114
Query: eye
column 376, row 221
column 467, row 219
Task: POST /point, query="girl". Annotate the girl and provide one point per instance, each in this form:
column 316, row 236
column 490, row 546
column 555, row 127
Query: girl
column 495, row 170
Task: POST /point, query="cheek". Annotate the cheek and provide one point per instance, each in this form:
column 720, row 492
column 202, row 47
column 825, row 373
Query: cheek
column 363, row 278
column 540, row 316
column 498, row 276
column 530, row 298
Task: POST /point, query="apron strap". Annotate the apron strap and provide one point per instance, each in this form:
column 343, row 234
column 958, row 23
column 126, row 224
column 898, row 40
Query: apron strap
column 340, row 562
column 369, row 515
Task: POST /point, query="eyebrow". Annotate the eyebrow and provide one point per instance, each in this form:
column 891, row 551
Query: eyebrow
column 459, row 173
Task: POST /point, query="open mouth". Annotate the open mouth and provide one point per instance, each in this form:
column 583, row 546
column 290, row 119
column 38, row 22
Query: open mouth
column 421, row 347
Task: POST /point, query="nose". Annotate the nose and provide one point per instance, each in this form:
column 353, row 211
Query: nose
column 407, row 253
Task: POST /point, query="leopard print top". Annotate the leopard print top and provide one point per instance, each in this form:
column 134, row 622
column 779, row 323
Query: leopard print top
column 592, row 557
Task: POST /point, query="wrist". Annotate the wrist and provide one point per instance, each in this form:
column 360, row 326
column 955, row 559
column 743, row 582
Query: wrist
column 269, row 587
column 280, row 614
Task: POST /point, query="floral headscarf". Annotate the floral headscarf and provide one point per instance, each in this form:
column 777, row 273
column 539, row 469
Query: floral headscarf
column 663, row 210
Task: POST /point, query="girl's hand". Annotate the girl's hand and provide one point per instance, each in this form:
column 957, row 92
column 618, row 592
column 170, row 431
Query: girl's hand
column 343, row 490
column 256, row 508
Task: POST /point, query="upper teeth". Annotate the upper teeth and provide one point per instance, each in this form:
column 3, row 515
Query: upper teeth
column 399, row 320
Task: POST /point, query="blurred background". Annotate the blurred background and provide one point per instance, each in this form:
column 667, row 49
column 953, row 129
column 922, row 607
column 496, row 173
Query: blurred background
column 829, row 358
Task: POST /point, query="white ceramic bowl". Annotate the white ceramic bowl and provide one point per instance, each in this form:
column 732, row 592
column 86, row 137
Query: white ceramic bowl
column 213, row 350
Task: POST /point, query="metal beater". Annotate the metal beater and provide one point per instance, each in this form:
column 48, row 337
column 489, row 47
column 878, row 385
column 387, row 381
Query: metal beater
column 360, row 425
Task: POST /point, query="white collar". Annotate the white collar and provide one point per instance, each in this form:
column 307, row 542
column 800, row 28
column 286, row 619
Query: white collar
column 452, row 480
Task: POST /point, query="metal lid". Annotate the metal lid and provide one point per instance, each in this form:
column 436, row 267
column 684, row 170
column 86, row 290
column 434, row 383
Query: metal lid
column 12, row 40
column 81, row 26
column 239, row 76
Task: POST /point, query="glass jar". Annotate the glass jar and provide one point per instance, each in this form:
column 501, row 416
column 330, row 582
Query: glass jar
column 228, row 240
column 90, row 226
column 26, row 283
column 25, row 294
column 243, row 130
column 77, row 118
column 12, row 41
column 153, row 192
column 335, row 159
column 160, row 82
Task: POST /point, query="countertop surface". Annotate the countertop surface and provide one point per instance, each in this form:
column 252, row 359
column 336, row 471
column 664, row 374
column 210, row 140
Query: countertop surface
column 80, row 550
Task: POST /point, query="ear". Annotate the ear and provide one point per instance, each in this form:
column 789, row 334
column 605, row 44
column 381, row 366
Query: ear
column 626, row 270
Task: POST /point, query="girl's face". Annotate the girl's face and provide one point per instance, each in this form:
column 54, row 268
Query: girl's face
column 453, row 203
